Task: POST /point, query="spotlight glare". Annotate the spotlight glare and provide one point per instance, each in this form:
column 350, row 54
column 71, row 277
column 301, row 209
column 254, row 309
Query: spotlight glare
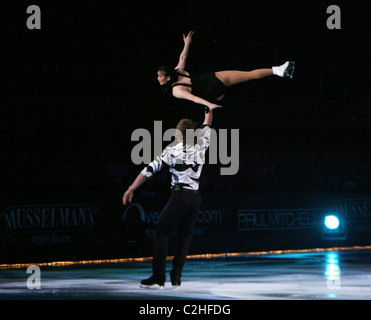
column 332, row 222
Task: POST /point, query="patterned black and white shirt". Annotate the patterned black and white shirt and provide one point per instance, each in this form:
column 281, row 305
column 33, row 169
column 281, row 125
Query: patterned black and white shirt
column 185, row 161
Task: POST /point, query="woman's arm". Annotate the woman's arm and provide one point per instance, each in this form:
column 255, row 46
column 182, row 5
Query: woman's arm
column 183, row 94
column 184, row 54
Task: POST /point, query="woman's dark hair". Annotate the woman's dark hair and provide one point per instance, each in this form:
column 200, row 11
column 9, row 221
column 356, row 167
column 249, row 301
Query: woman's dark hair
column 168, row 72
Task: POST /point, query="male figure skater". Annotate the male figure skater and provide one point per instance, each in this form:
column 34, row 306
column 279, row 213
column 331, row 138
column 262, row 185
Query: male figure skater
column 185, row 161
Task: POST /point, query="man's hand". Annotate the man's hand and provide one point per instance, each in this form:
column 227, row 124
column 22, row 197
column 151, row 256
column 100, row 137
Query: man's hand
column 128, row 196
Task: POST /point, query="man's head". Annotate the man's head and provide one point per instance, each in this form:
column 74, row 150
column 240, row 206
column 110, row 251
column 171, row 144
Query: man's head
column 182, row 127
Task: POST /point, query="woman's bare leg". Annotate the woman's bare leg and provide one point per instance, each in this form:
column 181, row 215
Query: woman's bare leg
column 232, row 77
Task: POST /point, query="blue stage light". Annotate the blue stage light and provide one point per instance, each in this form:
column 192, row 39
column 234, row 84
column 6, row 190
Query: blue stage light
column 332, row 222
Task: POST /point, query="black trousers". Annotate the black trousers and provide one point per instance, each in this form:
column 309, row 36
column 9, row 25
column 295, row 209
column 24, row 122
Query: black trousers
column 180, row 212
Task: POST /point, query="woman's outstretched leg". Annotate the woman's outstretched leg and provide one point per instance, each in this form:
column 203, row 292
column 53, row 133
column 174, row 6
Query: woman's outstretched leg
column 232, row 77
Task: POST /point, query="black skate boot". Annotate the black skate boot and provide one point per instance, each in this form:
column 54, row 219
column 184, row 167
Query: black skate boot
column 175, row 280
column 151, row 281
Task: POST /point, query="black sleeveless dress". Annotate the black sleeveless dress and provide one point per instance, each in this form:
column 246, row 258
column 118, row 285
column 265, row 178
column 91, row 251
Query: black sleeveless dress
column 205, row 85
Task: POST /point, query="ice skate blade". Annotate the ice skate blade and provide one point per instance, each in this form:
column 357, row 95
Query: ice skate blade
column 289, row 71
column 153, row 286
column 174, row 287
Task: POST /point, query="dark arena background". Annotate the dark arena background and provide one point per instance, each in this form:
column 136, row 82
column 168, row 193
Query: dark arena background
column 74, row 91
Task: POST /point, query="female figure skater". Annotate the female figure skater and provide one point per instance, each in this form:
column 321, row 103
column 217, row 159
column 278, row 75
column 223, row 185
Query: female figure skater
column 184, row 203
column 209, row 88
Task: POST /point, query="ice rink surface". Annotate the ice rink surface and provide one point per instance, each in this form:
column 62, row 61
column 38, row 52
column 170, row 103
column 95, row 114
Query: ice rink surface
column 335, row 275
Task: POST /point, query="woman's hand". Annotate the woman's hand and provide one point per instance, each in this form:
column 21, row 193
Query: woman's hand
column 184, row 54
column 188, row 39
column 213, row 106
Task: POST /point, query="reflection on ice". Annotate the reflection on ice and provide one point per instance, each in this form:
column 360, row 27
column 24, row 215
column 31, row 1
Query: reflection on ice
column 332, row 271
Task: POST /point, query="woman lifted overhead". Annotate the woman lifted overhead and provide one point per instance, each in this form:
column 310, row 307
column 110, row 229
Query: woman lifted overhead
column 209, row 88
